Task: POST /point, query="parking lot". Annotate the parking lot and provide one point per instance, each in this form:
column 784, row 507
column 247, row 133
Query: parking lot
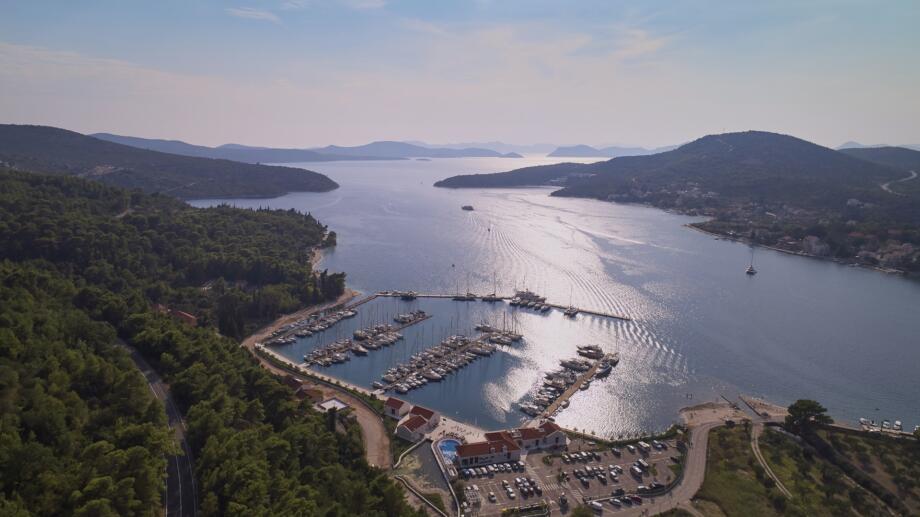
column 583, row 472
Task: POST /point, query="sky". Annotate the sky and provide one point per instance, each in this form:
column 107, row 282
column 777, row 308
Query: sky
column 303, row 73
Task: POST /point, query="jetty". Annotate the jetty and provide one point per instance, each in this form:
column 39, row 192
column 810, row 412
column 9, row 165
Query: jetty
column 493, row 298
column 584, row 377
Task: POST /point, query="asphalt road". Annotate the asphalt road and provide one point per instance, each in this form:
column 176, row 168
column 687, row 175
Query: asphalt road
column 181, row 492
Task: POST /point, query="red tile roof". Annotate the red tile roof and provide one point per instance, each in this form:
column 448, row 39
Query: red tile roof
column 423, row 412
column 550, row 427
column 414, row 422
column 488, row 447
column 394, row 403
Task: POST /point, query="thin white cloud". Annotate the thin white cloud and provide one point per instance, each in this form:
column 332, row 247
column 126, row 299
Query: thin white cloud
column 251, row 13
column 364, row 4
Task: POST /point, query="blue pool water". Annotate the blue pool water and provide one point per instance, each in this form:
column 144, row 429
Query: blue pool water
column 448, row 449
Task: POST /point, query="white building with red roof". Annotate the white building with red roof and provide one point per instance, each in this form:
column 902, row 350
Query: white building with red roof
column 418, row 422
column 495, row 449
column 502, row 446
column 395, row 408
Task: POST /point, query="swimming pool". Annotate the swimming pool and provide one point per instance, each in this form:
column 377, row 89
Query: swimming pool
column 448, row 448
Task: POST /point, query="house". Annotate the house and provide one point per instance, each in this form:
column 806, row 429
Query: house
column 314, row 394
column 418, row 422
column 412, row 428
column 179, row 315
column 547, row 436
column 395, row 408
column 498, row 448
column 433, row 417
column 292, row 381
column 332, row 404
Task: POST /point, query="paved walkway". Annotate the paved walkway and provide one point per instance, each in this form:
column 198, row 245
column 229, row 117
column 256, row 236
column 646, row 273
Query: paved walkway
column 756, row 431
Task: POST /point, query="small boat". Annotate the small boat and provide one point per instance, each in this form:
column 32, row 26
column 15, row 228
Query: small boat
column 603, row 370
column 378, row 385
column 750, row 269
column 359, row 350
column 468, row 208
column 897, row 425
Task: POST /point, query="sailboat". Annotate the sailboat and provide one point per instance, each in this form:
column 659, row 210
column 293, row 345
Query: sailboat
column 750, row 269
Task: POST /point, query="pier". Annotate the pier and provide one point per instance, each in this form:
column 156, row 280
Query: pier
column 398, row 294
column 585, row 376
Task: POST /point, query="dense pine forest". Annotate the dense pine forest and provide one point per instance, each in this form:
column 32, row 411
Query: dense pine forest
column 81, row 266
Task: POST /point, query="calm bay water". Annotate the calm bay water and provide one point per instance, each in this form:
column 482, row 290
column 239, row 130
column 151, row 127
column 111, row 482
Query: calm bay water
column 700, row 327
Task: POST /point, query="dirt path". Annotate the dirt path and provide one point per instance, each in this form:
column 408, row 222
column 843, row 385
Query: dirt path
column 374, row 432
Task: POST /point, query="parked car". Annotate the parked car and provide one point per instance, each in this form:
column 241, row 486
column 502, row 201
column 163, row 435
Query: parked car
column 492, row 497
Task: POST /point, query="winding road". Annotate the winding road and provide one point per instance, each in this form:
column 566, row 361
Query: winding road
column 887, row 186
column 181, row 491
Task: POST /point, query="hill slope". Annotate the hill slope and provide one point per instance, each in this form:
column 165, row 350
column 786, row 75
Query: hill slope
column 773, row 189
column 58, row 151
column 235, row 152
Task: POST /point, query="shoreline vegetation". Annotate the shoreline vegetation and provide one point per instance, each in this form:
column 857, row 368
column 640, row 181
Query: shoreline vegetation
column 772, row 190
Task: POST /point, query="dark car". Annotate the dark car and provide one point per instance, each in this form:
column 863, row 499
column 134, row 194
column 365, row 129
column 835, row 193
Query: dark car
column 616, row 451
column 619, row 492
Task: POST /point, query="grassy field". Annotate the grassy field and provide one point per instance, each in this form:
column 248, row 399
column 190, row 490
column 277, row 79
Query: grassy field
column 736, row 483
column 732, row 484
column 892, row 463
column 818, row 487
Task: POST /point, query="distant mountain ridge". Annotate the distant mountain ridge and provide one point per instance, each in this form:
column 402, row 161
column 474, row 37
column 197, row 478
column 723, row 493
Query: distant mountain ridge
column 856, row 145
column 235, row 152
column 587, row 151
column 59, row 151
column 380, row 150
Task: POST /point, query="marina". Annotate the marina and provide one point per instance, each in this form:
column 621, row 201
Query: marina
column 689, row 305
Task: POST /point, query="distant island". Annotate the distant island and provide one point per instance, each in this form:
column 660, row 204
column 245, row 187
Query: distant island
column 390, row 149
column 858, row 206
column 586, row 151
column 52, row 150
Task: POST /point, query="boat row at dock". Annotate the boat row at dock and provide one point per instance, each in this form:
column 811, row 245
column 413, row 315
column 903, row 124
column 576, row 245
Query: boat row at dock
column 577, row 372
column 884, row 426
column 366, row 339
column 529, row 300
column 308, row 326
column 435, row 363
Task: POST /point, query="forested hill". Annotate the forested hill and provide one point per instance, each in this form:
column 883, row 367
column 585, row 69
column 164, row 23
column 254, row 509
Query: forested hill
column 751, row 165
column 82, row 262
column 527, row 176
column 58, row 151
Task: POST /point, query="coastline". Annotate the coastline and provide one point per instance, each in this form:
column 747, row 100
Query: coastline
column 742, row 240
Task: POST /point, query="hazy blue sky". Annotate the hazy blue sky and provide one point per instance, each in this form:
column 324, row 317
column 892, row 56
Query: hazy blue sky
column 312, row 72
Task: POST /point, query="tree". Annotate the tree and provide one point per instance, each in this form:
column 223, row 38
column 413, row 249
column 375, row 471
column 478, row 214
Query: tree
column 804, row 415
